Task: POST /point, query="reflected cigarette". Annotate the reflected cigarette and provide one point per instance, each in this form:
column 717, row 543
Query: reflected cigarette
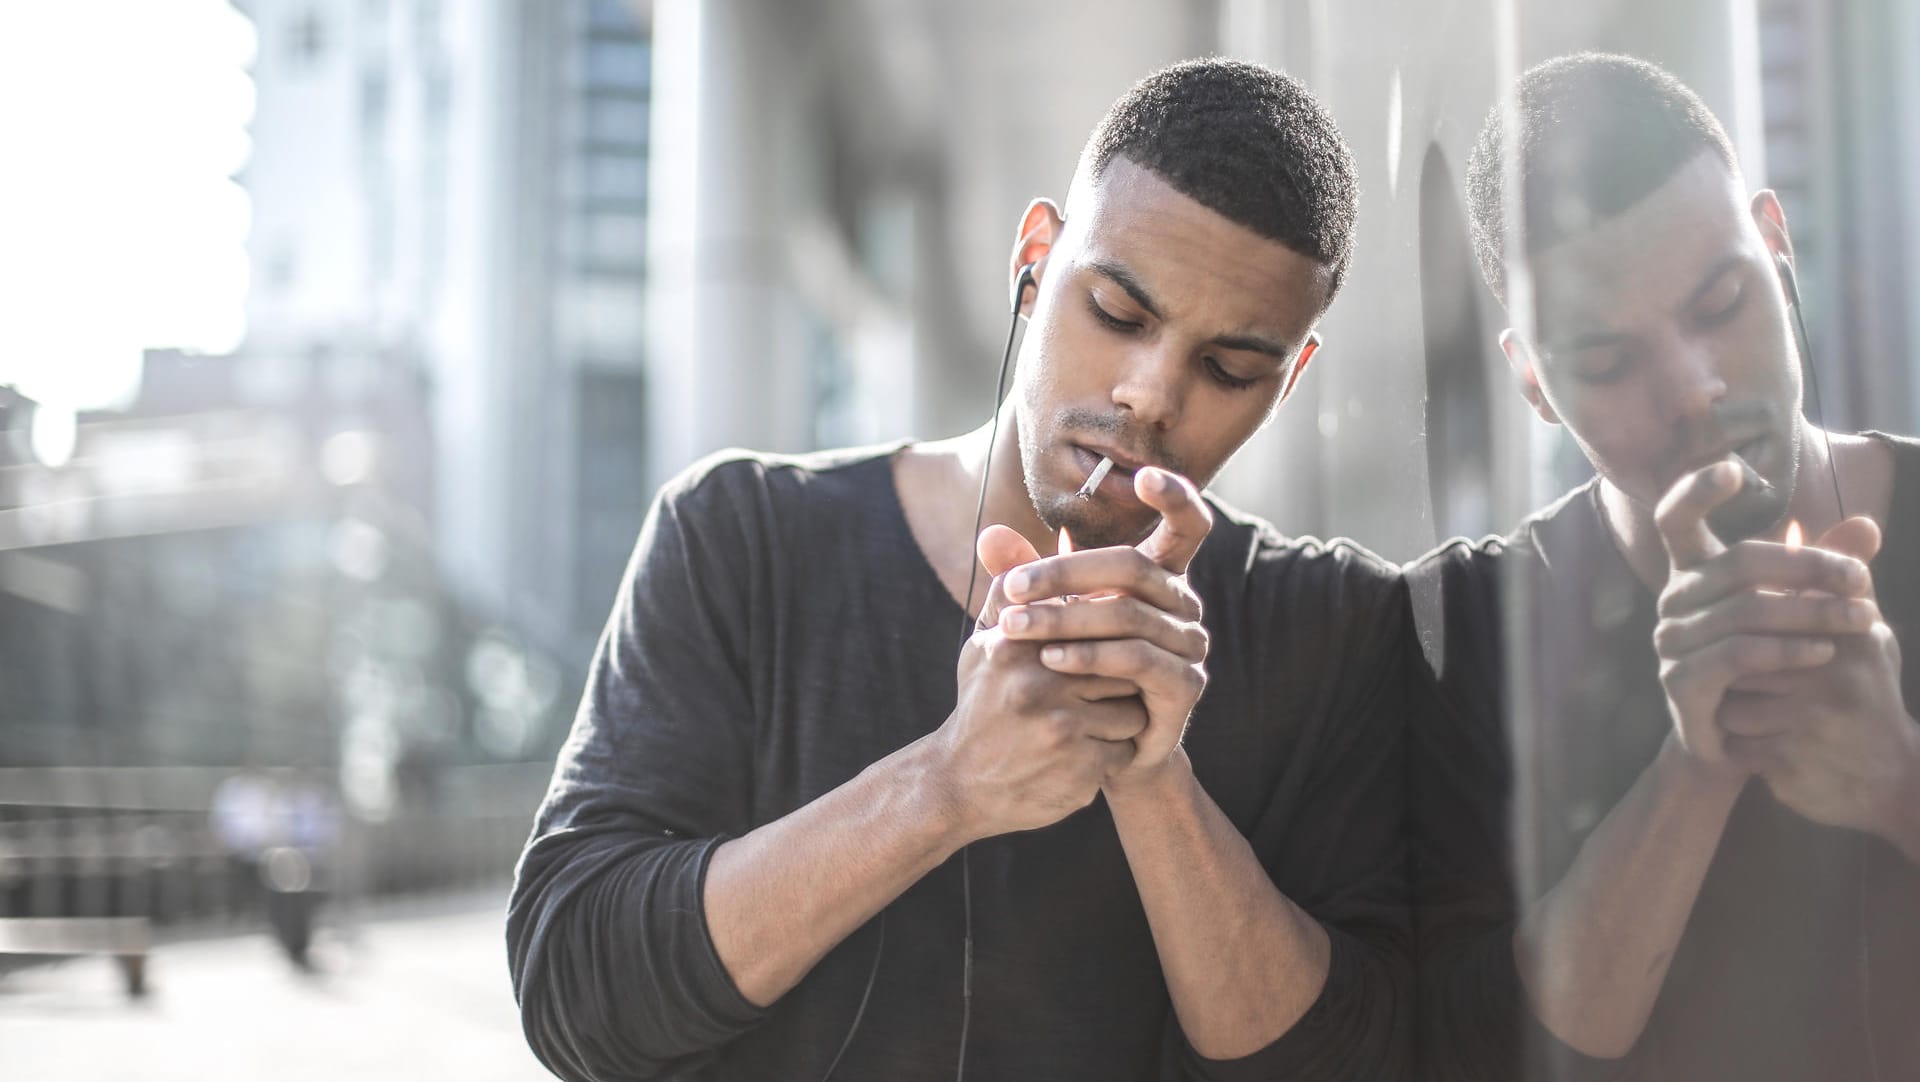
column 1098, row 475
column 1750, row 479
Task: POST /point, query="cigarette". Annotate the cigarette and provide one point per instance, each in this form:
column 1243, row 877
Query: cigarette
column 1098, row 475
column 1750, row 479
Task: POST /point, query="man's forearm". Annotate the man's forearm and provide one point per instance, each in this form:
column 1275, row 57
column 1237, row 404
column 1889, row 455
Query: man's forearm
column 782, row 896
column 1594, row 951
column 1242, row 963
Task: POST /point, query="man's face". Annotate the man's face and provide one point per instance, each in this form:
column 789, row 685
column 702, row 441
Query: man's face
column 1162, row 334
column 1664, row 345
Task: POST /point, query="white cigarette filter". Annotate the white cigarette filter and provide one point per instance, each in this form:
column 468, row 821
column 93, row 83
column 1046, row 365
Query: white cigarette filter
column 1098, row 475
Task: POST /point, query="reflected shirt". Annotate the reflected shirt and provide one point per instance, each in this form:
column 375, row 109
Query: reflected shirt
column 1801, row 958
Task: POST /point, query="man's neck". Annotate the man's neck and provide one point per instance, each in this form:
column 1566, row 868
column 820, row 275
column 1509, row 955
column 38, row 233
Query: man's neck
column 1856, row 460
column 939, row 487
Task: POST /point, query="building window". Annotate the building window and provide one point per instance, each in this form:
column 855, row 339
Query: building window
column 618, row 65
column 307, row 40
column 612, row 488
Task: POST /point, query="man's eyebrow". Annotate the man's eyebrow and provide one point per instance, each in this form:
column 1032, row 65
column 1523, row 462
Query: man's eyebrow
column 1254, row 343
column 1125, row 279
column 1591, row 339
column 1712, row 277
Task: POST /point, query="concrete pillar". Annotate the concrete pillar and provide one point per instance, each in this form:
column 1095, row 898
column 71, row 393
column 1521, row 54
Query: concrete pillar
column 727, row 344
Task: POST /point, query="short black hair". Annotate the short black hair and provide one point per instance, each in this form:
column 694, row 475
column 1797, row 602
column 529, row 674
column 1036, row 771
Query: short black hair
column 1595, row 133
column 1250, row 143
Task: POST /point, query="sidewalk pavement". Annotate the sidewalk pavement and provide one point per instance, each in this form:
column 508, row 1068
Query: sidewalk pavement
column 410, row 990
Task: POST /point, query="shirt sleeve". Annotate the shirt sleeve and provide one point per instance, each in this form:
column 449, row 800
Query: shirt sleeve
column 612, row 961
column 1337, row 849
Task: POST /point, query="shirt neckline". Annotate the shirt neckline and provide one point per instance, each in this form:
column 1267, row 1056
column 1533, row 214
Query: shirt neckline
column 903, row 531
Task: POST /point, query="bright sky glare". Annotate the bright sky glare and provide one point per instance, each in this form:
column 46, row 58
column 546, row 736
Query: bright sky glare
column 121, row 229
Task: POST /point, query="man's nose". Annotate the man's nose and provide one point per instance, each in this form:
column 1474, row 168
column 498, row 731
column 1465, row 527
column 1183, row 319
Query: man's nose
column 1692, row 381
column 1152, row 385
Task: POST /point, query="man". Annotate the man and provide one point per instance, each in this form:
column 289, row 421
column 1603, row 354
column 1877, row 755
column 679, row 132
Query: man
column 1707, row 779
column 786, row 841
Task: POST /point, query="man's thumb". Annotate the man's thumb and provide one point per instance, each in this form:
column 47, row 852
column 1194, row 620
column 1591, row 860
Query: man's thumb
column 1002, row 548
column 1858, row 537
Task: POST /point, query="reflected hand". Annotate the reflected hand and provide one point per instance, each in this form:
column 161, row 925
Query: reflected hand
column 1733, row 616
column 1836, row 743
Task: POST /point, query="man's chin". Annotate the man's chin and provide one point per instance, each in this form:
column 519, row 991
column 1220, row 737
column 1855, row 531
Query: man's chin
column 1091, row 524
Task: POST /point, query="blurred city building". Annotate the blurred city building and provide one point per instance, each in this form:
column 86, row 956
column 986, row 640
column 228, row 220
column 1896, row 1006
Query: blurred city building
column 463, row 187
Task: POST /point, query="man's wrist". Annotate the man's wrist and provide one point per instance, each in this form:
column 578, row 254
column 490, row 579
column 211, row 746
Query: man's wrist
column 1697, row 776
column 1156, row 783
column 933, row 798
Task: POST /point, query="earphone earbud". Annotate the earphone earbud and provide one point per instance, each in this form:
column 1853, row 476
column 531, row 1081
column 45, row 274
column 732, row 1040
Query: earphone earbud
column 1787, row 279
column 1020, row 283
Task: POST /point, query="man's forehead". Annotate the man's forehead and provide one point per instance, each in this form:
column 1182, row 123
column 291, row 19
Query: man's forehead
column 1646, row 260
column 1129, row 217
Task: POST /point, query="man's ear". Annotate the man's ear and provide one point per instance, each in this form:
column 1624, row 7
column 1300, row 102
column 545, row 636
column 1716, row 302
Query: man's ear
column 1300, row 365
column 1521, row 358
column 1771, row 218
column 1040, row 228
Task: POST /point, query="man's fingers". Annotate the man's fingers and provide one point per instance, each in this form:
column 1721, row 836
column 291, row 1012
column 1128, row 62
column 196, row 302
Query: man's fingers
column 1185, row 519
column 1111, row 719
column 1719, row 664
column 1095, row 688
column 1771, row 684
column 1115, row 756
column 1745, row 714
column 1759, row 612
column 1112, row 616
column 1168, row 685
column 1704, row 677
column 1109, row 570
column 1682, row 513
column 1157, row 672
column 1764, row 565
column 995, row 600
column 1759, row 754
column 1000, row 549
column 1858, row 537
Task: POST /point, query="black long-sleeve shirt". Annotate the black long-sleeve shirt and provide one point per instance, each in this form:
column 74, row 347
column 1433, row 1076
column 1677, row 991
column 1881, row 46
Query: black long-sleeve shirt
column 1801, row 958
column 777, row 631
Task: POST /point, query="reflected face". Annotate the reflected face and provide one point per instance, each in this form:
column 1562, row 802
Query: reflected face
column 1664, row 344
column 1162, row 334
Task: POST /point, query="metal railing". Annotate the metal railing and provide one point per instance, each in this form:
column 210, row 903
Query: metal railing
column 93, row 859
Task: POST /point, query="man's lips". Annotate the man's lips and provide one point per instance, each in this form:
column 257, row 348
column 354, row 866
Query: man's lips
column 1119, row 480
column 1121, row 461
column 1750, row 449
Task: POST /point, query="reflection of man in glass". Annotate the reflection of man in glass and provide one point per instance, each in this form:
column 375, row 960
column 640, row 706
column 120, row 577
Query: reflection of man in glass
column 777, row 820
column 1685, row 733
